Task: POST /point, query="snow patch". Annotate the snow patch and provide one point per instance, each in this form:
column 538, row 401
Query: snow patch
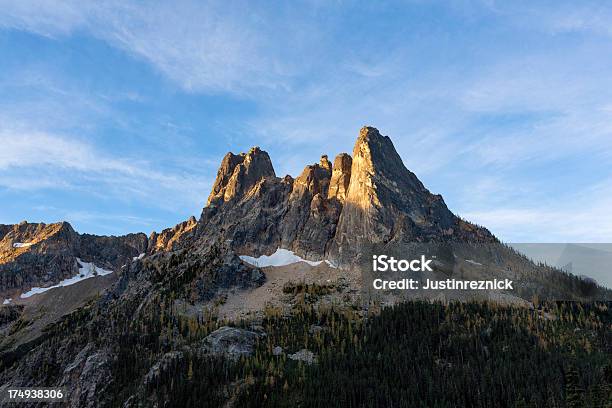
column 473, row 262
column 86, row 270
column 281, row 257
column 138, row 257
column 22, row 244
column 7, row 301
column 331, row 264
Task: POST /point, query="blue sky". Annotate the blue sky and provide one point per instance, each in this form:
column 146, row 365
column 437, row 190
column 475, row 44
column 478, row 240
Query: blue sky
column 115, row 115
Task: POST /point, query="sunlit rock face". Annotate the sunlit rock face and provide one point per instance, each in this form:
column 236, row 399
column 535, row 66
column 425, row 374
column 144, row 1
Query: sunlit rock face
column 171, row 238
column 328, row 211
column 239, row 173
column 341, row 177
column 385, row 201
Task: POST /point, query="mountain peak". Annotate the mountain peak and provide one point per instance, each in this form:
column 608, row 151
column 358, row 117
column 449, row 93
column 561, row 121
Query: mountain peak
column 330, row 209
column 238, row 173
column 324, row 162
column 385, row 201
column 369, row 131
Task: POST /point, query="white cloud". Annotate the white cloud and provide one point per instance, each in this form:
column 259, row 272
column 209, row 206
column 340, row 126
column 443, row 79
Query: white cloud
column 27, row 148
column 47, row 18
column 31, row 160
column 583, row 217
column 212, row 46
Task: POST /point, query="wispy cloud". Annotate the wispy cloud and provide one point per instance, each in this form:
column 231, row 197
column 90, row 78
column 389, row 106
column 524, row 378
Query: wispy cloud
column 584, row 217
column 212, row 46
column 33, row 160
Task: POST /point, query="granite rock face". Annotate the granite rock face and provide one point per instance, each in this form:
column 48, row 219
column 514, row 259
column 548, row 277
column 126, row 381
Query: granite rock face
column 308, row 222
column 329, row 211
column 87, row 377
column 109, row 251
column 171, row 238
column 341, row 176
column 251, row 223
column 231, row 342
column 385, row 202
column 239, row 173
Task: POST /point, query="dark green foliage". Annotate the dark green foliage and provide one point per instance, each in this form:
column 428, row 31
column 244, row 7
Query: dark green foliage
column 415, row 354
column 431, row 355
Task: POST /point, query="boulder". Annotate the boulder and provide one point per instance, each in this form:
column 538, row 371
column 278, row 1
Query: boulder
column 231, row 342
column 304, row 355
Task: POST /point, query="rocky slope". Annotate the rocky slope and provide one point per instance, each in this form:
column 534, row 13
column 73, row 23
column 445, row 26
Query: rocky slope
column 38, row 254
column 83, row 350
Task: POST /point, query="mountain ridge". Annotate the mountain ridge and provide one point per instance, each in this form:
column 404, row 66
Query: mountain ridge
column 368, row 197
column 122, row 338
column 336, row 211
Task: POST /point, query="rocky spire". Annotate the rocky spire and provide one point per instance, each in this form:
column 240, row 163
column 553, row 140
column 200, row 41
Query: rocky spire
column 341, row 176
column 313, row 182
column 314, row 179
column 239, row 173
column 324, row 163
column 385, row 200
column 371, row 198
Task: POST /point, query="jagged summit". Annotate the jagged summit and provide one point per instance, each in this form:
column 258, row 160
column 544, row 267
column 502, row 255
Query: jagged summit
column 385, row 201
column 330, row 209
column 239, row 173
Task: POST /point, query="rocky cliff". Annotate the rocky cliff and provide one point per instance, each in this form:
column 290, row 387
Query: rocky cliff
column 329, row 211
column 38, row 254
column 169, row 238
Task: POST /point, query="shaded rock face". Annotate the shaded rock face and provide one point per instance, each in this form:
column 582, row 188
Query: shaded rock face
column 231, row 342
column 111, row 252
column 233, row 273
column 309, row 221
column 251, row 224
column 329, row 211
column 4, row 229
column 38, row 254
column 87, row 377
column 161, row 366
